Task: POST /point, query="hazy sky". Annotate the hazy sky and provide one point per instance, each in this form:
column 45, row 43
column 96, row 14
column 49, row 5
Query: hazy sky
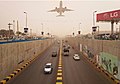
column 37, row 14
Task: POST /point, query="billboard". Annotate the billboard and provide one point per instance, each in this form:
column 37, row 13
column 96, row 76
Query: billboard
column 109, row 16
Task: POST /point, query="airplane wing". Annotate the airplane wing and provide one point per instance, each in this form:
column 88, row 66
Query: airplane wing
column 54, row 10
column 68, row 10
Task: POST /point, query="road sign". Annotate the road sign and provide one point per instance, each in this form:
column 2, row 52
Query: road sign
column 25, row 30
column 94, row 28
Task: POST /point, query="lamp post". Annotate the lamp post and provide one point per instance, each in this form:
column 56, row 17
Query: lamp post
column 14, row 26
column 94, row 18
column 94, row 28
column 9, row 29
column 79, row 25
column 73, row 32
column 79, row 28
column 26, row 18
column 42, row 29
column 31, row 32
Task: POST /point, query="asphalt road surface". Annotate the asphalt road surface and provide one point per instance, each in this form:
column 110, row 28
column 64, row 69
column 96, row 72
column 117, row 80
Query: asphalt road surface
column 74, row 72
column 81, row 72
column 34, row 73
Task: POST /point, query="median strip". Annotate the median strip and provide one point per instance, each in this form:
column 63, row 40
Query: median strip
column 59, row 72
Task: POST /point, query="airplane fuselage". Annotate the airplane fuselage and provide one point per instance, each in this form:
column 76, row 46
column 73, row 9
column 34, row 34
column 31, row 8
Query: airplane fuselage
column 60, row 10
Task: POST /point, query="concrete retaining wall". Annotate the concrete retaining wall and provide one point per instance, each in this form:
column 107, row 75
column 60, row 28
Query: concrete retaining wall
column 13, row 55
column 106, row 50
column 97, row 46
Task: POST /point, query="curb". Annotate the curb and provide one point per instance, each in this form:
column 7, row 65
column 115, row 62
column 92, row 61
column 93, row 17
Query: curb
column 4, row 81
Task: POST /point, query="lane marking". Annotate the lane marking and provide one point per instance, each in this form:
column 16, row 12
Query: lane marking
column 59, row 67
column 59, row 78
column 59, row 72
column 59, row 83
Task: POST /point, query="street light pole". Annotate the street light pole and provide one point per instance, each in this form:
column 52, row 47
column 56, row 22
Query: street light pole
column 79, row 26
column 30, row 32
column 26, row 18
column 79, row 29
column 42, row 28
column 94, row 18
column 9, row 29
column 14, row 26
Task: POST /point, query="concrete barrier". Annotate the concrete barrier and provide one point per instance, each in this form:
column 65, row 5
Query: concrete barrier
column 14, row 55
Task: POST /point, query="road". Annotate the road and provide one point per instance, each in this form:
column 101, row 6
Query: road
column 81, row 72
column 74, row 72
column 34, row 74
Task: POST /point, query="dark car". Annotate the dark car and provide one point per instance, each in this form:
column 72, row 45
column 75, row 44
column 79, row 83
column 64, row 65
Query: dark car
column 54, row 53
column 66, row 49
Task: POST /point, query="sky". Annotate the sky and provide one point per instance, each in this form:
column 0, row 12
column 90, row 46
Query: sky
column 38, row 14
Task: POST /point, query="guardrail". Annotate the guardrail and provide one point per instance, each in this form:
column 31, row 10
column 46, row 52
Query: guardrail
column 13, row 41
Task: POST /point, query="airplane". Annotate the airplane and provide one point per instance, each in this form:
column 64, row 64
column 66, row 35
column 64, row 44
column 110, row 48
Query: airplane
column 60, row 10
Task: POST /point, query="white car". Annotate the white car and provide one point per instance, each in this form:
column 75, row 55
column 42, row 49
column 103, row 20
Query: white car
column 54, row 53
column 66, row 53
column 48, row 68
column 76, row 57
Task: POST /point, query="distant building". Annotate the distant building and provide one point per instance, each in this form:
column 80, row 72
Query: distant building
column 5, row 33
column 106, row 35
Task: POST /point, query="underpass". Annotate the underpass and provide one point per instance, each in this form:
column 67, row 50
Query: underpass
column 74, row 72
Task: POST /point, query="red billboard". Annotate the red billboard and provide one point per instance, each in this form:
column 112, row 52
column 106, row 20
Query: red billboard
column 109, row 16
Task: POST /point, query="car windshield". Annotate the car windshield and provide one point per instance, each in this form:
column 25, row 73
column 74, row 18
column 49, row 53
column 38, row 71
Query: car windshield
column 76, row 55
column 47, row 66
column 54, row 52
